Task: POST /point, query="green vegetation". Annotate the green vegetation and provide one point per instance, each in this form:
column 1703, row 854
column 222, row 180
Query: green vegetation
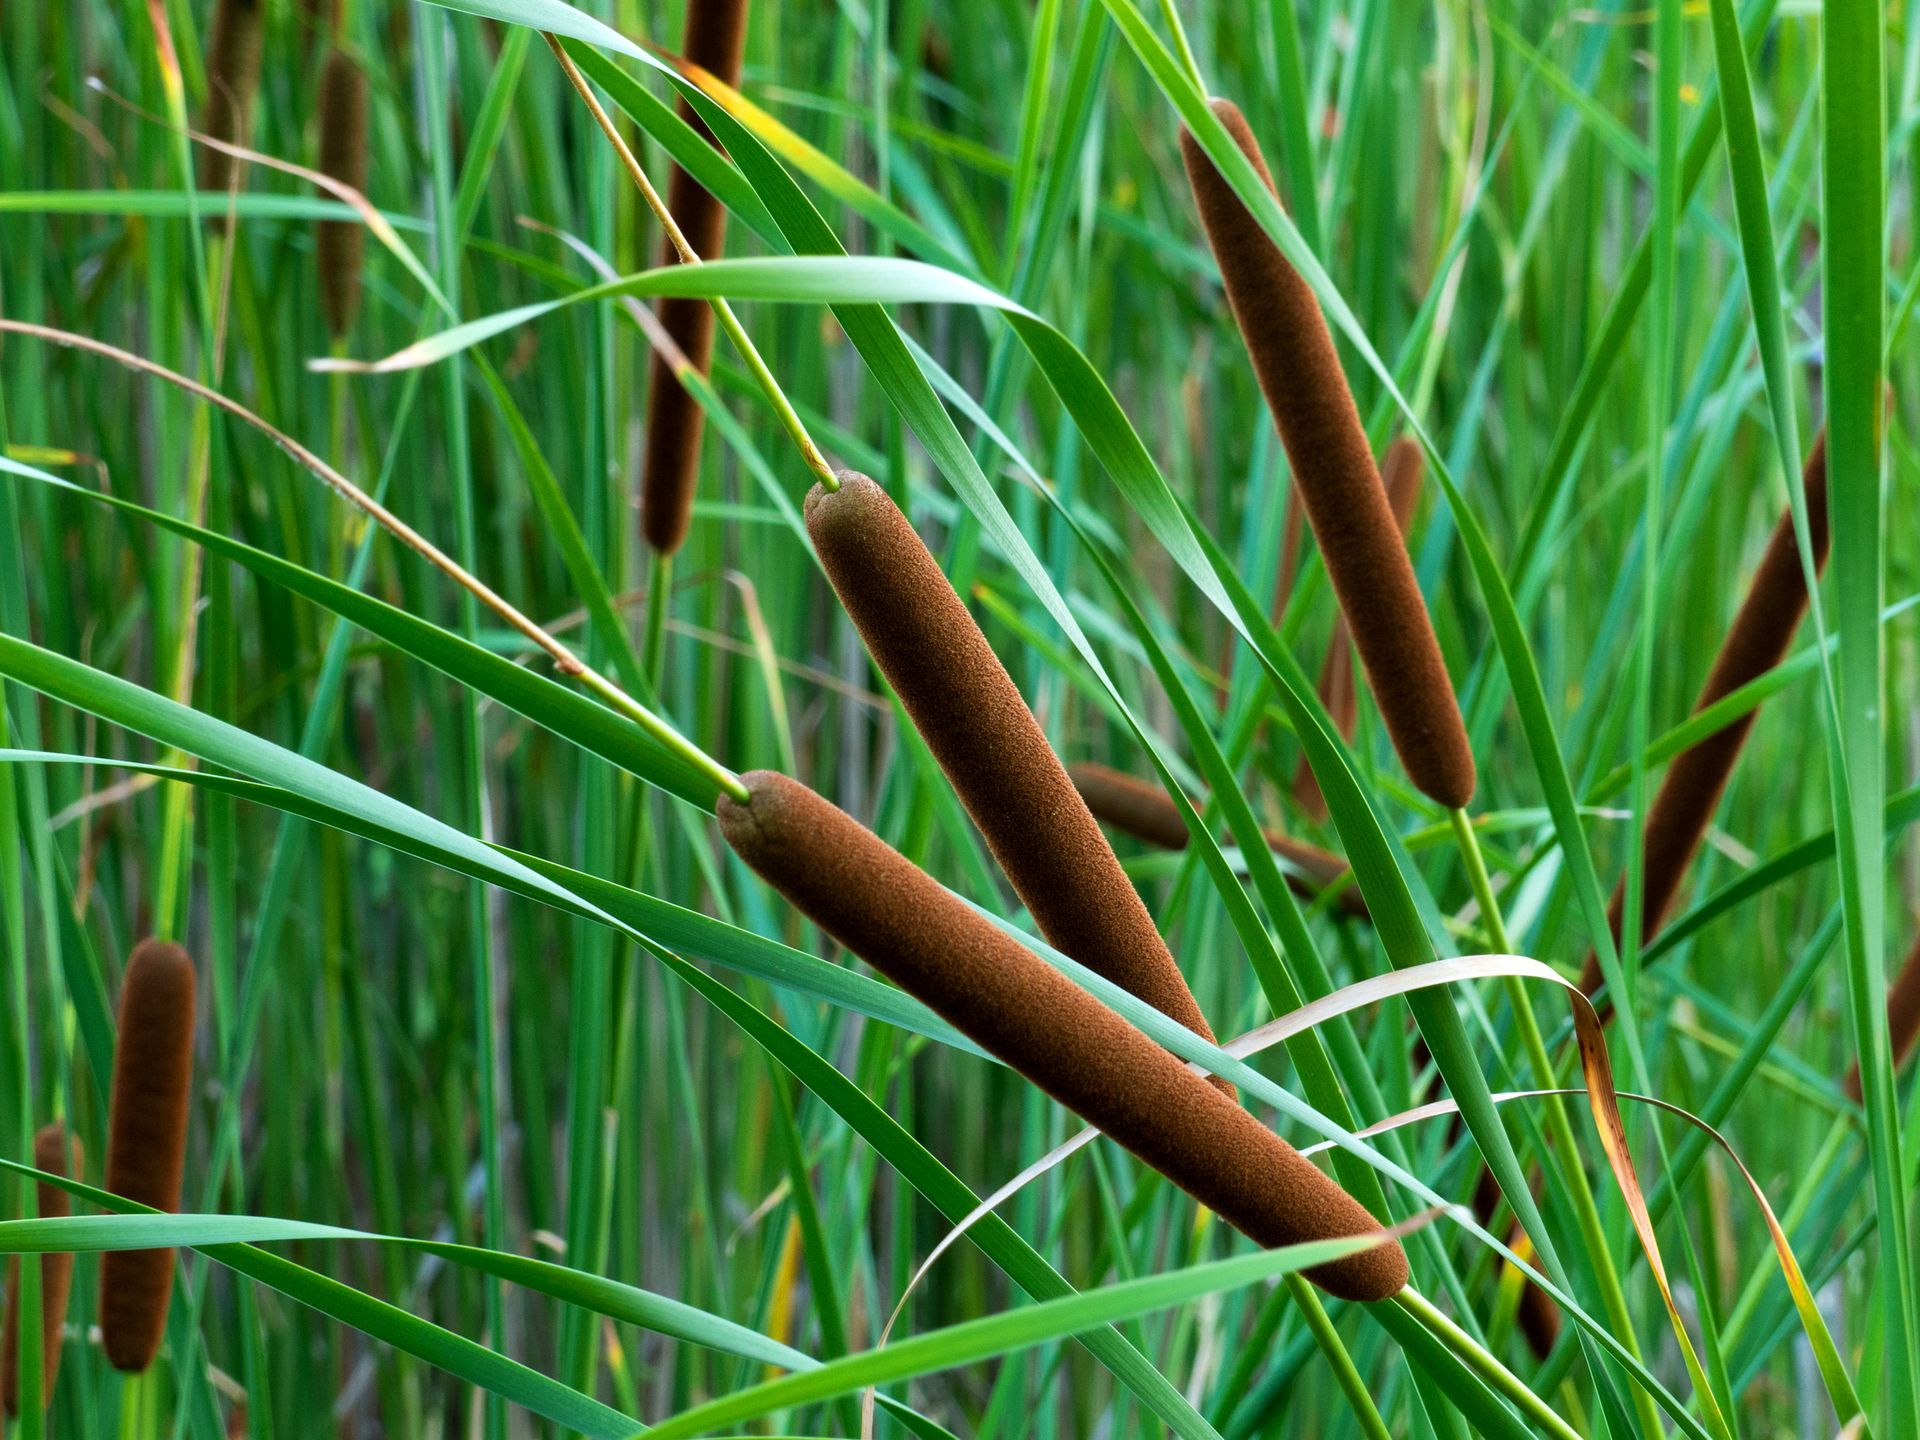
column 332, row 649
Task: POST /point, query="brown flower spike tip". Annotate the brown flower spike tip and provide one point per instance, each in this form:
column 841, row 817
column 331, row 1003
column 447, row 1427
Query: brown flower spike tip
column 1690, row 793
column 966, row 708
column 1299, row 372
column 715, row 40
column 55, row 1154
column 892, row 914
column 340, row 245
column 147, row 1142
column 1141, row 809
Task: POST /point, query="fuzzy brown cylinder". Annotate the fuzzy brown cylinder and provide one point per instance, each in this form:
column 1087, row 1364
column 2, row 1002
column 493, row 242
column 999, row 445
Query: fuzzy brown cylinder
column 340, row 245
column 233, row 82
column 966, row 708
column 1299, row 371
column 147, row 1142
column 1405, row 465
column 1690, row 792
column 715, row 40
column 55, row 1154
column 1903, row 1019
column 888, row 911
column 1143, row 810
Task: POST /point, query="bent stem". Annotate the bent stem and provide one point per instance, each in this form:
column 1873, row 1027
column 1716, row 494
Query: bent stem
column 1483, row 1363
column 1559, row 1127
column 749, row 354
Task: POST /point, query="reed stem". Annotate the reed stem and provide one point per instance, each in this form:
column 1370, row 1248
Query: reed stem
column 1484, row 1364
column 1559, row 1126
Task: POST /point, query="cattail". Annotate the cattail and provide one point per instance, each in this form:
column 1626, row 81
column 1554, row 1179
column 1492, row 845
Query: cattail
column 233, row 80
column 1903, row 1019
column 966, row 708
column 340, row 245
column 1143, row 811
column 1401, row 475
column 888, row 911
column 147, row 1141
column 54, row 1153
column 716, row 38
column 1299, row 371
column 1694, row 782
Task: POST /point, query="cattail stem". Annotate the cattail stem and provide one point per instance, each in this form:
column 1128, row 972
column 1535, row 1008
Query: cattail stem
column 892, row 914
column 749, row 355
column 56, row 1154
column 147, row 1141
column 974, row 720
column 1143, row 810
column 1484, row 1364
column 1366, row 560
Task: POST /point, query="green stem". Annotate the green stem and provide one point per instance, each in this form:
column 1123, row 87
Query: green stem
column 653, row 648
column 1559, row 1127
column 1351, row 1383
column 1484, row 1364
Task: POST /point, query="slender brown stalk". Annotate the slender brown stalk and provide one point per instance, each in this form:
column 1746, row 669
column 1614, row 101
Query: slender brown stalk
column 715, row 41
column 147, row 1142
column 340, row 245
column 892, row 914
column 1299, row 372
column 1757, row 641
column 1903, row 1019
column 1401, row 474
column 54, row 1153
column 1145, row 812
column 986, row 740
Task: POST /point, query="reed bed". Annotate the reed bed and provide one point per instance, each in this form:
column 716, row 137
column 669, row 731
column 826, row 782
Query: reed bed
column 672, row 1134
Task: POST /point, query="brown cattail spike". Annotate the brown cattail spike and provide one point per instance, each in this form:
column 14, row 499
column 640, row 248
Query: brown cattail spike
column 233, row 80
column 1690, row 793
column 1401, row 475
column 1903, row 1019
column 1143, row 811
column 715, row 40
column 54, row 1153
column 1299, row 371
column 340, row 245
column 992, row 749
column 147, row 1141
column 888, row 911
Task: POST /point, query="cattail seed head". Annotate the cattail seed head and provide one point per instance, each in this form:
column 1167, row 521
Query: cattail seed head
column 715, row 40
column 1757, row 641
column 233, row 82
column 1401, row 475
column 1903, row 1020
column 888, row 911
column 56, row 1154
column 147, row 1141
column 1299, row 371
column 984, row 737
column 340, row 245
column 1144, row 811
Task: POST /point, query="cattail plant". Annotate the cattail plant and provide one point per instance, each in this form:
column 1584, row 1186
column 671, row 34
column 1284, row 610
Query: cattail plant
column 233, row 82
column 1690, row 793
column 147, row 1141
column 56, row 1154
column 715, row 40
column 1903, row 1019
column 1345, row 503
column 897, row 918
column 1144, row 811
column 966, row 708
column 1401, row 475
column 340, row 245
